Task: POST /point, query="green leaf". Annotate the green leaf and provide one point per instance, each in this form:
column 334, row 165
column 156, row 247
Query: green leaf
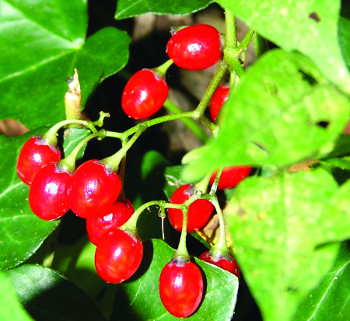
column 139, row 299
column 72, row 137
column 48, row 296
column 11, row 309
column 310, row 27
column 131, row 8
column 294, row 114
column 21, row 232
column 330, row 300
column 285, row 231
column 77, row 263
column 344, row 32
column 42, row 42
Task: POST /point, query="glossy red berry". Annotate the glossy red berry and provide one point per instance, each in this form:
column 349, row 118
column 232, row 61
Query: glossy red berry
column 227, row 263
column 199, row 212
column 144, row 94
column 48, row 193
column 231, row 176
column 195, row 47
column 118, row 256
column 95, row 188
column 97, row 226
column 181, row 288
column 35, row 154
column 218, row 99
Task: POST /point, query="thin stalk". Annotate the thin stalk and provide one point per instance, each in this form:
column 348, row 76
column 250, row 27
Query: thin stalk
column 231, row 30
column 192, row 125
column 246, row 40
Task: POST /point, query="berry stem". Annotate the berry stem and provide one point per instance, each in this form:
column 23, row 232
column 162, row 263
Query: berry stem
column 202, row 186
column 181, row 254
column 51, row 134
column 192, row 125
column 220, row 248
column 130, row 225
column 163, row 68
column 199, row 111
column 112, row 162
column 231, row 30
column 246, row 40
column 215, row 184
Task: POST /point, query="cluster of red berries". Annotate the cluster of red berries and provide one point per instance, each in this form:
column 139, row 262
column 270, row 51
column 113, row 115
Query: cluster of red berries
column 93, row 191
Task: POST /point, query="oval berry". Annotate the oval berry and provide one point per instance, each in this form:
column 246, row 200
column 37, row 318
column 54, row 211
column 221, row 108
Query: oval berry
column 181, row 288
column 231, row 176
column 195, row 47
column 48, row 193
column 227, row 263
column 118, row 256
column 35, row 154
column 144, row 94
column 95, row 189
column 97, row 226
column 219, row 97
column 199, row 212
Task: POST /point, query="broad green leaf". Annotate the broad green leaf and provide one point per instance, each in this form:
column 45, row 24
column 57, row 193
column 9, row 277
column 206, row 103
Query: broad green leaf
column 48, row 296
column 330, row 300
column 344, row 31
column 130, row 8
column 77, row 263
column 310, row 27
column 42, row 42
column 294, row 114
column 139, row 299
column 287, row 227
column 21, row 232
column 11, row 309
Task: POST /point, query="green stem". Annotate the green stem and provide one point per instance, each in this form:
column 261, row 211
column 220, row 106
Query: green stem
column 181, row 253
column 192, row 125
column 199, row 111
column 162, row 69
column 246, row 40
column 214, row 187
column 220, row 248
column 112, row 162
column 202, row 186
column 51, row 134
column 231, row 30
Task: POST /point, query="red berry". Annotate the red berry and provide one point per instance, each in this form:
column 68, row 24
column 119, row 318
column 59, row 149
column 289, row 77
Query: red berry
column 218, row 99
column 95, row 188
column 227, row 263
column 48, row 193
column 199, row 212
column 231, row 176
column 97, row 226
column 181, row 288
column 35, row 154
column 144, row 94
column 118, row 256
column 195, row 47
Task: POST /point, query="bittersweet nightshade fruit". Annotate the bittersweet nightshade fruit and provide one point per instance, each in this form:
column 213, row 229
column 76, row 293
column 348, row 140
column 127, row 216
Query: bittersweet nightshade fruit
column 118, row 256
column 35, row 154
column 226, row 262
column 48, row 193
column 231, row 176
column 195, row 47
column 97, row 226
column 219, row 97
column 144, row 94
column 95, row 188
column 181, row 288
column 199, row 212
